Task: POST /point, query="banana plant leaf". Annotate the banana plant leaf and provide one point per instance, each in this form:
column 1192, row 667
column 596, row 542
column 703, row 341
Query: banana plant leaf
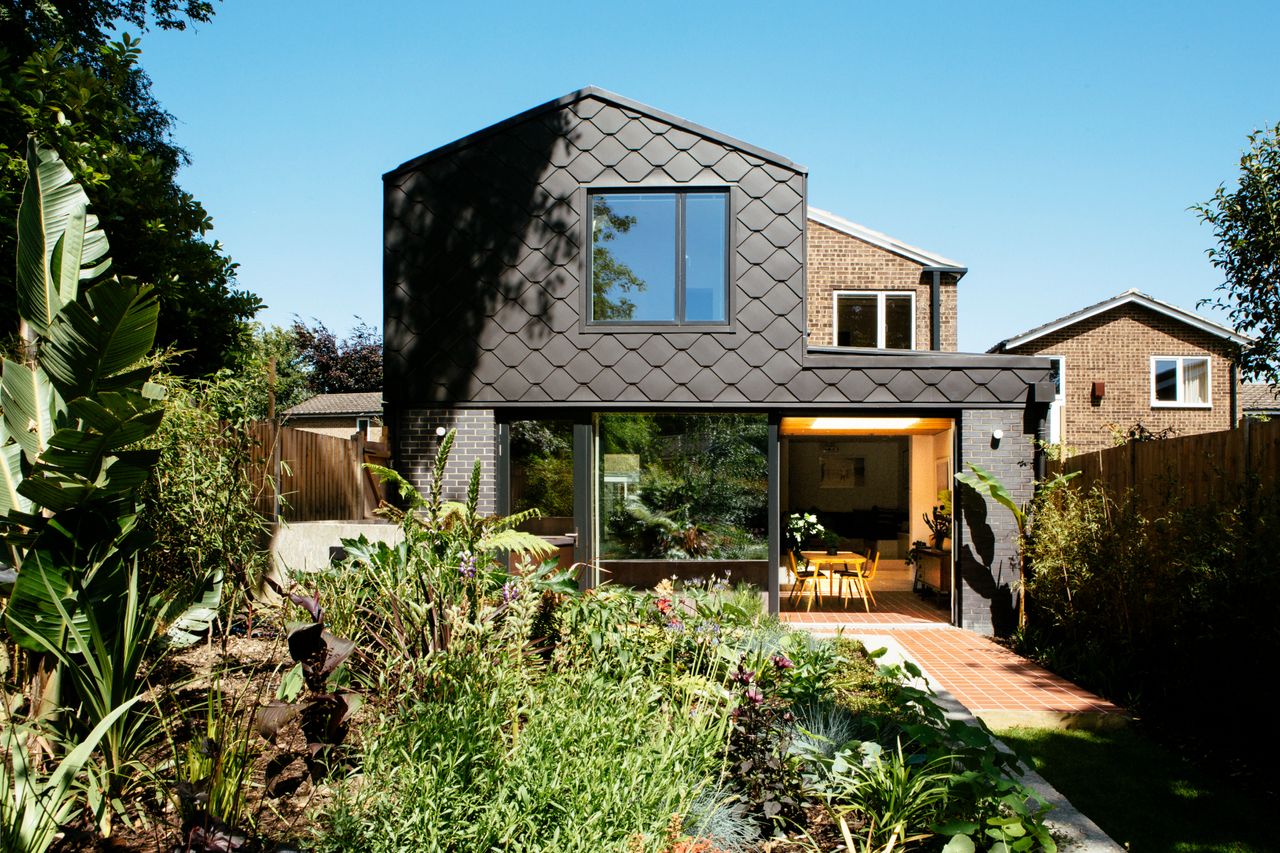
column 51, row 201
column 29, row 402
column 11, row 500
column 93, row 343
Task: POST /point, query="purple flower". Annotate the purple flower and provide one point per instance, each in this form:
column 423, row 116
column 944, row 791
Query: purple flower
column 468, row 567
column 754, row 696
column 510, row 592
column 675, row 626
column 782, row 662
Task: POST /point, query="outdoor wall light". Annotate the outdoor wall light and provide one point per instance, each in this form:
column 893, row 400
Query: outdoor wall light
column 440, row 432
column 996, row 435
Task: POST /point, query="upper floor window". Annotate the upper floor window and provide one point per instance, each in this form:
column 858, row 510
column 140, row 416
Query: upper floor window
column 659, row 257
column 1178, row 380
column 879, row 320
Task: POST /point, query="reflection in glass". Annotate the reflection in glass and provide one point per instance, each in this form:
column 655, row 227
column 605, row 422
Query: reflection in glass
column 1166, row 370
column 704, row 258
column 683, row 487
column 633, row 250
column 856, row 320
column 542, row 470
column 897, row 321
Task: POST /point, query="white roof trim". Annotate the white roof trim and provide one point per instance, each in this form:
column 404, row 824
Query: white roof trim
column 1129, row 296
column 884, row 241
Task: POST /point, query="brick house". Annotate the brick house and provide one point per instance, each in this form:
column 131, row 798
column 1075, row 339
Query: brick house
column 338, row 415
column 1134, row 360
column 636, row 324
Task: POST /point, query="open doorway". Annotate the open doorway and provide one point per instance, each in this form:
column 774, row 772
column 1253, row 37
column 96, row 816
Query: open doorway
column 878, row 487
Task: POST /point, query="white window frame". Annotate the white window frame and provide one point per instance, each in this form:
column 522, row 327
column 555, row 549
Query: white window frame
column 880, row 297
column 1058, row 408
column 1179, row 361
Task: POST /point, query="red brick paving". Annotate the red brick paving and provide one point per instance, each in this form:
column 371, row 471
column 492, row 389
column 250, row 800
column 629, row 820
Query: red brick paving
column 983, row 675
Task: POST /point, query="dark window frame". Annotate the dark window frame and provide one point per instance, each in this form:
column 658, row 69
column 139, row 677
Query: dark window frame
column 882, row 317
column 589, row 323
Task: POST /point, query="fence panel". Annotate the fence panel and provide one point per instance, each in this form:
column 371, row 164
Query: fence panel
column 1201, row 468
column 316, row 477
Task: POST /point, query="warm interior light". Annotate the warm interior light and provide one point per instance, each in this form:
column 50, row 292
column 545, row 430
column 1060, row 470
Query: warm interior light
column 865, row 426
column 834, row 424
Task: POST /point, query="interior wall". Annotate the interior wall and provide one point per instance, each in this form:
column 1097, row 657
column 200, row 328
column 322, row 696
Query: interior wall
column 884, row 486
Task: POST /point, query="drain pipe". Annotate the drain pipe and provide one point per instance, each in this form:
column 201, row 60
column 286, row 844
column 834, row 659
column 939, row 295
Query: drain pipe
column 935, row 311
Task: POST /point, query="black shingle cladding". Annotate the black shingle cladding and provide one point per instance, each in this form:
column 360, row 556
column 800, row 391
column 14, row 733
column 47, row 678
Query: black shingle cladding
column 484, row 268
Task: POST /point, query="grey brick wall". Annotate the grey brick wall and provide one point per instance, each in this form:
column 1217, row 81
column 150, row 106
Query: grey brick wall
column 417, row 443
column 987, row 555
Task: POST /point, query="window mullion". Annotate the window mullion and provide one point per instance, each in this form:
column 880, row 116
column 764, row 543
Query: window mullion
column 881, row 321
column 680, row 259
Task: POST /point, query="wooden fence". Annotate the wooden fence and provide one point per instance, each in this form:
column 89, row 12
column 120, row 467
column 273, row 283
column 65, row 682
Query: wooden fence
column 307, row 476
column 1202, row 468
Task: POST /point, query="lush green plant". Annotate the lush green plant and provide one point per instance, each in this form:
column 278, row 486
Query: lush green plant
column 1128, row 597
column 33, row 805
column 74, row 409
column 802, row 527
column 1244, row 223
column 757, row 761
column 214, row 769
column 989, row 487
column 199, row 503
column 106, row 674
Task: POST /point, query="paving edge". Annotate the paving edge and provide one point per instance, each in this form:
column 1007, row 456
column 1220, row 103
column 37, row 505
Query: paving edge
column 1071, row 828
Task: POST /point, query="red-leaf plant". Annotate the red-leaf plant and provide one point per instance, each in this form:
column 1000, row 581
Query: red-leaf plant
column 324, row 712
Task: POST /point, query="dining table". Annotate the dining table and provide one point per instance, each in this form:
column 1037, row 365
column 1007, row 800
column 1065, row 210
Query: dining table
column 852, row 562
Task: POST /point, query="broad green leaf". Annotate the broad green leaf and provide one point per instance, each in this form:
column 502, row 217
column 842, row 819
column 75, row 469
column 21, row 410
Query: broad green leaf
column 10, row 476
column 93, row 343
column 49, row 199
column 959, row 844
column 42, row 594
column 29, row 401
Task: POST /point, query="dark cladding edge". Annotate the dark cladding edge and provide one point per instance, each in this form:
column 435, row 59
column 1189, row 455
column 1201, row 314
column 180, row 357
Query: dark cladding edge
column 821, row 357
column 604, row 95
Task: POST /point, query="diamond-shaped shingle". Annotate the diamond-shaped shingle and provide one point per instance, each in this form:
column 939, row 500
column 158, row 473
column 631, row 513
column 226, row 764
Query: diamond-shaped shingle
column 535, row 367
column 634, row 135
column 583, row 367
column 754, row 316
column 682, row 367
column 585, row 168
column 610, row 119
column 707, row 350
column 756, row 249
column 633, row 168
column 608, row 385
column 559, row 385
column 781, row 265
column 657, row 351
column 558, row 350
column 657, row 151
column 632, row 368
column 731, row 368
column 607, row 350
column 609, row 151
column 682, row 167
column 657, row 385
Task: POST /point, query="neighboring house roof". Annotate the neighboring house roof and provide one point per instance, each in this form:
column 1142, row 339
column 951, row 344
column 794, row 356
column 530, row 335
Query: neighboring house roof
column 1135, row 297
column 608, row 97
column 1259, row 397
column 930, row 260
column 330, row 405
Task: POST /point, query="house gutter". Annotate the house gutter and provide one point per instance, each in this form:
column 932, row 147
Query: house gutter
column 1235, row 395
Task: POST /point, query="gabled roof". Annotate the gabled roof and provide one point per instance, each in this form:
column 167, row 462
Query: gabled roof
column 325, row 405
column 929, row 260
column 1259, row 397
column 608, row 97
column 1135, row 297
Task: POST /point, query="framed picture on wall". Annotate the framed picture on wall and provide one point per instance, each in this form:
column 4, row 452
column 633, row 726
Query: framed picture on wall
column 942, row 473
column 842, row 471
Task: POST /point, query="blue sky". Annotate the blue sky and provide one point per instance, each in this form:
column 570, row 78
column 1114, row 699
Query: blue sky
column 1053, row 148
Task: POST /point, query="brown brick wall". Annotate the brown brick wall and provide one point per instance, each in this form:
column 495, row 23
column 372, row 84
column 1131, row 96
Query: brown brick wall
column 838, row 261
column 1115, row 347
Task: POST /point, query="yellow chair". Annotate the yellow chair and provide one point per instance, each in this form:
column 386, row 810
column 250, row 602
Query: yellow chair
column 806, row 577
column 859, row 579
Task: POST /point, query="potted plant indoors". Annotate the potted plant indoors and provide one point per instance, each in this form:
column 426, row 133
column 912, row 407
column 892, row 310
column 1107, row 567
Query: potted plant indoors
column 939, row 521
column 801, row 528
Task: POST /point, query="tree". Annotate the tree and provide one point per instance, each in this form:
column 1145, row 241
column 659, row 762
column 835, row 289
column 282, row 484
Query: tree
column 63, row 81
column 1246, row 223
column 340, row 366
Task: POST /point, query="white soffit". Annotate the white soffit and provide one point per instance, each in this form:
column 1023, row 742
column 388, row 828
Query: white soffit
column 1129, row 296
column 884, row 241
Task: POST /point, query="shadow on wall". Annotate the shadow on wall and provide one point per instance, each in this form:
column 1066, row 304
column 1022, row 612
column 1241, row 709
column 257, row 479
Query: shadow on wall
column 981, row 571
column 482, row 231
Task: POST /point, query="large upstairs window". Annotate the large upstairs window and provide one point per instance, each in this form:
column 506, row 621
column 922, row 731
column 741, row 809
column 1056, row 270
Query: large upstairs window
column 659, row 257
column 875, row 319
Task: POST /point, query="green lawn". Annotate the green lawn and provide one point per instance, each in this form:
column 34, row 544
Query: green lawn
column 1145, row 796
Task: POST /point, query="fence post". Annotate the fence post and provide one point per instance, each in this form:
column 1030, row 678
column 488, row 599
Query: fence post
column 362, row 502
